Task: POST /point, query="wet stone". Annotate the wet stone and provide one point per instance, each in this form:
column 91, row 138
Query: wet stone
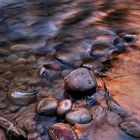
column 129, row 37
column 99, row 50
column 92, row 64
column 21, row 98
column 81, row 116
column 47, row 107
column 64, row 107
column 115, row 107
column 90, row 101
column 131, row 128
column 68, row 57
column 61, row 131
column 80, row 82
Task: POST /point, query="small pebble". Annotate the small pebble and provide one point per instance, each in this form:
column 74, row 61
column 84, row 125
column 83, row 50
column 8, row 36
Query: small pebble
column 64, row 107
column 81, row 116
column 47, row 107
column 61, row 131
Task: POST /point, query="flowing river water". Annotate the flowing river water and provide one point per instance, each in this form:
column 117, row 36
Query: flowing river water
column 60, row 36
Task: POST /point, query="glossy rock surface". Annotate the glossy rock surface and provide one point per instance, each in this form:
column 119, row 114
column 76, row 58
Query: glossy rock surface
column 80, row 116
column 64, row 107
column 61, row 131
column 80, row 80
column 47, row 107
column 131, row 128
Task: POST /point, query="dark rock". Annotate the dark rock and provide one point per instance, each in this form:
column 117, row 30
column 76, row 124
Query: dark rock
column 47, row 107
column 91, row 101
column 120, row 44
column 130, row 38
column 68, row 58
column 81, row 81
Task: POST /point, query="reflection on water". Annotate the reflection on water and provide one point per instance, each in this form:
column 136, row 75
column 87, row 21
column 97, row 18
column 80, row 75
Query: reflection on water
column 61, row 36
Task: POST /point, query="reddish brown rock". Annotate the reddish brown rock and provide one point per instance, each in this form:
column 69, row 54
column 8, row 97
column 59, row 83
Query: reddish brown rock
column 61, row 131
column 64, row 107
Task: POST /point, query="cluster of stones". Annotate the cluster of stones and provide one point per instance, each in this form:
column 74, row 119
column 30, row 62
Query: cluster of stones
column 82, row 82
column 81, row 85
column 82, row 105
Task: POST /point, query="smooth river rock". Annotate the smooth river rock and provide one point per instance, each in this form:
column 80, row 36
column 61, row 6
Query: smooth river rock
column 131, row 128
column 21, row 98
column 61, row 131
column 47, row 107
column 80, row 80
column 64, row 107
column 81, row 116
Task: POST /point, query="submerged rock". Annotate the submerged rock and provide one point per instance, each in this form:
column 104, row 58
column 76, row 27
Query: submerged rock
column 120, row 44
column 10, row 128
column 130, row 37
column 21, row 98
column 47, row 107
column 19, row 47
column 81, row 116
column 64, row 107
column 114, row 106
column 98, row 113
column 61, row 131
column 80, row 80
column 131, row 128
